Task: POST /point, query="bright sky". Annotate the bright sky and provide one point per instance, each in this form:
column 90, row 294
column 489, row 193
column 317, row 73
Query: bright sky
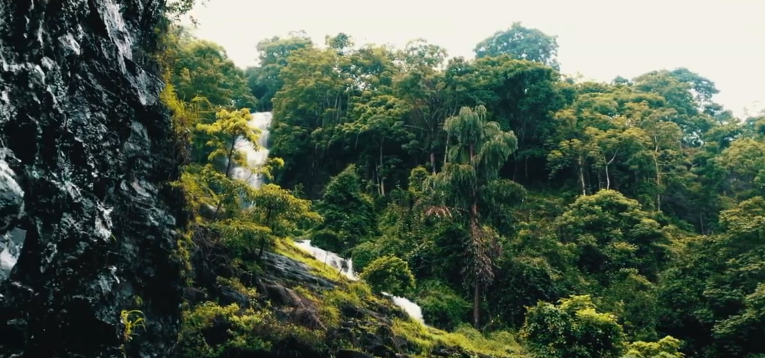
column 723, row 40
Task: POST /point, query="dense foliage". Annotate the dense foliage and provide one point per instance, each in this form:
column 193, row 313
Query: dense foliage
column 598, row 219
column 389, row 274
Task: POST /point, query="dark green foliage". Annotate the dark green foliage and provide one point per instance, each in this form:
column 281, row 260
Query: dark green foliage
column 716, row 289
column 348, row 212
column 572, row 329
column 363, row 254
column 441, row 306
column 610, row 232
column 389, row 274
column 521, row 43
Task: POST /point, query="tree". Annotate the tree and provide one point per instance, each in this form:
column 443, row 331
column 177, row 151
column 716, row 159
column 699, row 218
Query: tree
column 312, row 101
column 264, row 80
column 477, row 152
column 712, row 297
column 421, row 85
column 667, row 347
column 279, row 211
column 744, row 164
column 688, row 94
column 521, row 43
column 347, row 211
column 203, row 69
column 174, row 9
column 378, row 120
column 522, row 96
column 610, row 232
column 224, row 133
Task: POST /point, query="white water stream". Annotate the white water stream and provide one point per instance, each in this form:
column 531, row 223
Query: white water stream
column 256, row 157
column 346, row 267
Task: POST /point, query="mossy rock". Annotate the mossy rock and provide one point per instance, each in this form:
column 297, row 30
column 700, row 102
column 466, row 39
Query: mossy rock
column 298, row 313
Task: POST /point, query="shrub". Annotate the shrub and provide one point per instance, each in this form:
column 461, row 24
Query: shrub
column 327, row 240
column 573, row 329
column 389, row 274
column 441, row 306
column 363, row 254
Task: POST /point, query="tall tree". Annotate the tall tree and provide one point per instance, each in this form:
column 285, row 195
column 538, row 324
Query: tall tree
column 521, row 43
column 202, row 68
column 280, row 211
column 348, row 213
column 264, row 80
column 478, row 151
column 224, row 133
column 421, row 85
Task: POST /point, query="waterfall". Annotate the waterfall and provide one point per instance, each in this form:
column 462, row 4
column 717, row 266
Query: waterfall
column 256, row 154
column 409, row 307
column 329, row 258
column 346, row 267
column 256, row 157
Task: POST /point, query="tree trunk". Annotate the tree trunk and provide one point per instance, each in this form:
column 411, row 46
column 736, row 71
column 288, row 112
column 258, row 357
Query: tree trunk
column 262, row 246
column 658, row 177
column 476, row 305
column 475, row 239
column 228, row 168
column 263, row 239
column 382, row 180
column 433, row 161
column 608, row 178
column 581, row 176
column 446, row 150
column 337, row 108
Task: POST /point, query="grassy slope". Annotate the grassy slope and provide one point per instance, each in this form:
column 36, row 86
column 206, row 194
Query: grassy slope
column 422, row 340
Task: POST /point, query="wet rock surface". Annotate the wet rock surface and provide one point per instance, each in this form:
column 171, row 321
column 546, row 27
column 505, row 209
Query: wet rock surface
column 86, row 150
column 283, row 268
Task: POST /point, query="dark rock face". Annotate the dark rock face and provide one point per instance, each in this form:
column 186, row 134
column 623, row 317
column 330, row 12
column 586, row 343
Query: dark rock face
column 293, row 271
column 86, row 151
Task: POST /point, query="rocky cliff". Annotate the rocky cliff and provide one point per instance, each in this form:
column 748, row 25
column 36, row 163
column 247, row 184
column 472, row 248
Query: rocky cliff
column 86, row 152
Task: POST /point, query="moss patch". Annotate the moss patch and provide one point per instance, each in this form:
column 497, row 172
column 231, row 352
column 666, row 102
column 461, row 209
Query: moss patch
column 428, row 339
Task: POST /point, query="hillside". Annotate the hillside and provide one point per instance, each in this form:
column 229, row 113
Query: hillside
column 298, row 306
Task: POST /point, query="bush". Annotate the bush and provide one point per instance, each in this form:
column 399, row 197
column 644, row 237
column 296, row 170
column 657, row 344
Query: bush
column 667, row 347
column 363, row 254
column 327, row 240
column 441, row 306
column 572, row 329
column 389, row 274
column 212, row 331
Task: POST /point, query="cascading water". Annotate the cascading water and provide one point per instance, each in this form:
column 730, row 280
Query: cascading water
column 256, row 157
column 329, row 258
column 256, row 154
column 346, row 267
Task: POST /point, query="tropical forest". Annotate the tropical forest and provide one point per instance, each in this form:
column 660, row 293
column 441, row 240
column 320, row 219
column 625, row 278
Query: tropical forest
column 356, row 200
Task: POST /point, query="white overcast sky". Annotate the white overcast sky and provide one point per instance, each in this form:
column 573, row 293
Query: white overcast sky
column 723, row 40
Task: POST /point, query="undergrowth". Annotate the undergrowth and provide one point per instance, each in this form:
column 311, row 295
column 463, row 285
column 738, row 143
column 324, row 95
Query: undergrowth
column 496, row 344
